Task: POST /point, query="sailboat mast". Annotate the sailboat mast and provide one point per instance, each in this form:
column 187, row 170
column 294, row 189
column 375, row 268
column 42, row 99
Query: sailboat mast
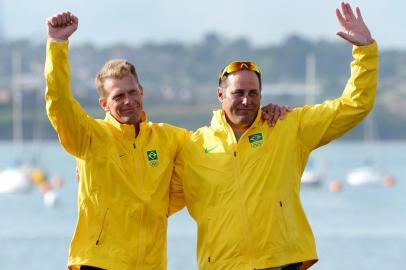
column 17, row 99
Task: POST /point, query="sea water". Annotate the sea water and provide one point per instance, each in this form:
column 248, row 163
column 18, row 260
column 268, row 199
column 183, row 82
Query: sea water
column 358, row 228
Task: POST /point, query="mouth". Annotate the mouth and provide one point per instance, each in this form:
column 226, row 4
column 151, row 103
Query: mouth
column 245, row 111
column 128, row 111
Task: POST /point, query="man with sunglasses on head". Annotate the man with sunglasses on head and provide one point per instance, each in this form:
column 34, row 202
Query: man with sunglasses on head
column 240, row 179
column 124, row 162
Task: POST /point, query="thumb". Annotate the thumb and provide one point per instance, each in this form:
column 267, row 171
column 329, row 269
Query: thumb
column 344, row 35
column 351, row 39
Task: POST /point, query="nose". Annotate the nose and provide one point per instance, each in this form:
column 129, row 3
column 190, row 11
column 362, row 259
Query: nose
column 245, row 101
column 128, row 100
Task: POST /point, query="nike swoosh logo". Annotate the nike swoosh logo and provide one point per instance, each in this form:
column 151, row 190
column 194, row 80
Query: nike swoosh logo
column 208, row 150
column 123, row 155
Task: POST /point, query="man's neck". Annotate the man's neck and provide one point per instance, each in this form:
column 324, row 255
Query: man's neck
column 238, row 131
column 238, row 134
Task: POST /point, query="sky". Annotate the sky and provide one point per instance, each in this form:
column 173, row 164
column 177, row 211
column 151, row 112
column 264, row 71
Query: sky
column 261, row 21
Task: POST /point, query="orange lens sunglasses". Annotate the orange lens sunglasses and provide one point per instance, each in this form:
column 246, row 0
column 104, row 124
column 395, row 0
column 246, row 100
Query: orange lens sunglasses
column 237, row 66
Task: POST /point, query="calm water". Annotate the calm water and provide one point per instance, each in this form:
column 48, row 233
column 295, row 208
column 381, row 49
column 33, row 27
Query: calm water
column 359, row 228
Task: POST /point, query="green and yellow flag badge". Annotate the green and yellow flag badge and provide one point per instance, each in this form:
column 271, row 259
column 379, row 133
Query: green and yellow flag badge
column 256, row 140
column 152, row 157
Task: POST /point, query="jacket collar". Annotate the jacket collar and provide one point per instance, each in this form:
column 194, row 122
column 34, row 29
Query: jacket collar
column 127, row 130
column 219, row 121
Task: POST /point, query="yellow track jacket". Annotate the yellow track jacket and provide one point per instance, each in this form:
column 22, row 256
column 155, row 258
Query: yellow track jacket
column 244, row 196
column 124, row 180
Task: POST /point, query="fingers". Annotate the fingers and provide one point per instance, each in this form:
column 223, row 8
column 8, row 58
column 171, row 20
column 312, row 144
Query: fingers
column 276, row 115
column 359, row 15
column 75, row 20
column 348, row 12
column 273, row 112
column 62, row 19
column 340, row 17
column 284, row 110
column 267, row 113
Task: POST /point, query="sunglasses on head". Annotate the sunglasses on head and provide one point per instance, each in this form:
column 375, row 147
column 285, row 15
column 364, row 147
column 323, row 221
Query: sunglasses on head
column 237, row 66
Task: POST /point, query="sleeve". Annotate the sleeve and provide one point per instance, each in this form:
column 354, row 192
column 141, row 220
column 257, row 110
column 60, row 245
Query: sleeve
column 176, row 195
column 66, row 115
column 321, row 123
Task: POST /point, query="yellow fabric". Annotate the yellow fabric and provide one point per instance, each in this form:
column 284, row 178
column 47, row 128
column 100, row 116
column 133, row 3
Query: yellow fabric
column 122, row 195
column 245, row 195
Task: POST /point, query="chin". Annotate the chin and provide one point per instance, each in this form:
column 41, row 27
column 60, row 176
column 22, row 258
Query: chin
column 245, row 120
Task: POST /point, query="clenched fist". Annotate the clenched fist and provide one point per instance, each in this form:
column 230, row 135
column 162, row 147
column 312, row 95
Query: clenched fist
column 62, row 25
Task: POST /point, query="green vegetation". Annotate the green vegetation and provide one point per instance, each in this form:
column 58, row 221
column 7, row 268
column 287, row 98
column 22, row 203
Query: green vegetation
column 180, row 80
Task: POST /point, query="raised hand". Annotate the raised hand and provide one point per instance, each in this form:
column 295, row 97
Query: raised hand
column 355, row 30
column 62, row 25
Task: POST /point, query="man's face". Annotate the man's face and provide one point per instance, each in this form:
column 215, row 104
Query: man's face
column 240, row 99
column 123, row 99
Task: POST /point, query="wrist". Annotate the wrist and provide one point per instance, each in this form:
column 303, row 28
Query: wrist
column 54, row 39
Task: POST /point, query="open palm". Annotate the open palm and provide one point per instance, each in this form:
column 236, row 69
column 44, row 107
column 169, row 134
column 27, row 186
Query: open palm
column 354, row 28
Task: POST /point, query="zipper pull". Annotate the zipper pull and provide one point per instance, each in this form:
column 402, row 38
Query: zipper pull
column 134, row 145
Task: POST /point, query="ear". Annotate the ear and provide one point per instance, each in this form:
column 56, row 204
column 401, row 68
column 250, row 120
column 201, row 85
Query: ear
column 141, row 89
column 221, row 93
column 103, row 104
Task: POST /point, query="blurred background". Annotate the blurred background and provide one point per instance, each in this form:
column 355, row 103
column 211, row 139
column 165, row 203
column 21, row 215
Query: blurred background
column 353, row 189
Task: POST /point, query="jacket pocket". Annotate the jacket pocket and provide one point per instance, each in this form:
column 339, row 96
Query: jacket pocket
column 103, row 224
column 284, row 223
column 210, row 219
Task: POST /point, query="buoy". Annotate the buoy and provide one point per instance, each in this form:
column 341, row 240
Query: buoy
column 389, row 181
column 336, row 186
column 57, row 181
column 50, row 198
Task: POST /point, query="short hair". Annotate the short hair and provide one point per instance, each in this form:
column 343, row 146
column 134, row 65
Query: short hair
column 223, row 83
column 116, row 69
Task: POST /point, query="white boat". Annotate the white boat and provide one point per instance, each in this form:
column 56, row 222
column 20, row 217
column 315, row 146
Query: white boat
column 365, row 175
column 14, row 181
column 311, row 178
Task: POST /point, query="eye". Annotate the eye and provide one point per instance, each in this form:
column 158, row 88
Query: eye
column 134, row 92
column 118, row 97
column 238, row 93
column 254, row 93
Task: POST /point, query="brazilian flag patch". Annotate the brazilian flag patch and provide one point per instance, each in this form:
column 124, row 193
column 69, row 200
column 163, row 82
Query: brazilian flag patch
column 152, row 157
column 256, row 140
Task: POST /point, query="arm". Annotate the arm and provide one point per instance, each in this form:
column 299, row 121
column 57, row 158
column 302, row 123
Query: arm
column 324, row 122
column 176, row 195
column 65, row 114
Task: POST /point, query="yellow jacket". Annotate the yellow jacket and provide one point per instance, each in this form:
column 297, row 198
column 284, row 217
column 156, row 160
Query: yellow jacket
column 124, row 180
column 245, row 195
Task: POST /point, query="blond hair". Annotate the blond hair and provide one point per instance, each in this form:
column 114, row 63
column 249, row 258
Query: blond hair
column 116, row 69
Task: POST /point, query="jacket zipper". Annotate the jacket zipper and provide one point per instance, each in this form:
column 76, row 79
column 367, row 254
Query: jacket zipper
column 247, row 234
column 141, row 234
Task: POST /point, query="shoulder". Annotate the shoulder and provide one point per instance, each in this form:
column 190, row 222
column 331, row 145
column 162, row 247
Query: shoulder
column 202, row 133
column 168, row 131
column 167, row 128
